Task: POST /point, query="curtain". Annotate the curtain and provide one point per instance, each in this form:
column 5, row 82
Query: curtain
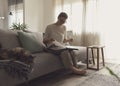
column 109, row 23
column 93, row 22
column 82, row 20
column 91, row 34
column 15, row 11
column 74, row 10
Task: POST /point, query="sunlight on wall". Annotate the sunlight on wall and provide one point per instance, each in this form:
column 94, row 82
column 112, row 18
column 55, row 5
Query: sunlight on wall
column 109, row 23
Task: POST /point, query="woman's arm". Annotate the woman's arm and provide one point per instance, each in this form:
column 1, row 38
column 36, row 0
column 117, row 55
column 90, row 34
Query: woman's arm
column 46, row 38
column 47, row 41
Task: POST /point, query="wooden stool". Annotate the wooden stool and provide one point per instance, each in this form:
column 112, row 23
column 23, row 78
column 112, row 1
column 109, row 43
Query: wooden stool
column 97, row 47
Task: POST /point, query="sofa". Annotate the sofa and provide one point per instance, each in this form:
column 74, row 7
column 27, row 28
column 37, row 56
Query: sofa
column 44, row 62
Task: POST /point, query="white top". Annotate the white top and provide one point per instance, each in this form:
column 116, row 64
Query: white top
column 55, row 32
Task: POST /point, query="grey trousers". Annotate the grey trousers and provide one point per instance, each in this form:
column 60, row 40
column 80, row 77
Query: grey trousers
column 71, row 58
column 68, row 59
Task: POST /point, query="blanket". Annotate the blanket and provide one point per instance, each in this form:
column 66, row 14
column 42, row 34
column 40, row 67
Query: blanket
column 16, row 62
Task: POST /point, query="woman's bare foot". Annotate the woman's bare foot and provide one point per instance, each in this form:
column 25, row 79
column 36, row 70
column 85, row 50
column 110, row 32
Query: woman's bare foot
column 78, row 71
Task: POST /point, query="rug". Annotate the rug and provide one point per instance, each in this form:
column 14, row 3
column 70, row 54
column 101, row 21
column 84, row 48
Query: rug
column 100, row 80
column 103, row 77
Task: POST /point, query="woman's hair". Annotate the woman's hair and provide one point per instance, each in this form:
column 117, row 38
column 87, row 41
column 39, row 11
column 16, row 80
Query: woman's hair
column 63, row 14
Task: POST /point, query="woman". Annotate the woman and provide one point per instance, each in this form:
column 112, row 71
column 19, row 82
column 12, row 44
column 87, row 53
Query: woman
column 56, row 32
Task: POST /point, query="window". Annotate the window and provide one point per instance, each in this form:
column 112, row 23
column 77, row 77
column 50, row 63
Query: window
column 15, row 11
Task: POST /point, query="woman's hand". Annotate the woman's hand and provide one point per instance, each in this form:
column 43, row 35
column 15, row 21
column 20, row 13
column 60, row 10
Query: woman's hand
column 51, row 40
column 47, row 41
column 68, row 40
column 71, row 40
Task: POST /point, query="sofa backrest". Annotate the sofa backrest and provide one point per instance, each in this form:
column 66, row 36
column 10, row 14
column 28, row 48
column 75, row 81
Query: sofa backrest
column 9, row 39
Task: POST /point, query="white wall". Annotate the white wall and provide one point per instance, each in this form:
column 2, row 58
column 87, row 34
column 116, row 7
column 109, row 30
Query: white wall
column 4, row 13
column 34, row 14
column 48, row 8
column 38, row 14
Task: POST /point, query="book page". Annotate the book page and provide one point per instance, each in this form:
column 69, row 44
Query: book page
column 55, row 45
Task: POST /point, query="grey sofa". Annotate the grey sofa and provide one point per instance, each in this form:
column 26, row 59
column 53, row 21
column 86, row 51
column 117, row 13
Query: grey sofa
column 44, row 62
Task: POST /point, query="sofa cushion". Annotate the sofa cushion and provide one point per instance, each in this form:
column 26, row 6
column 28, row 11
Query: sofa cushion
column 45, row 63
column 8, row 39
column 31, row 41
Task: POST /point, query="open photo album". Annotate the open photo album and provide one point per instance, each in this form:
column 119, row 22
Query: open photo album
column 55, row 45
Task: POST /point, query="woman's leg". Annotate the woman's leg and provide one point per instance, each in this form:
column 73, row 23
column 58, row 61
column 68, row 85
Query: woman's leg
column 66, row 59
column 68, row 63
column 73, row 57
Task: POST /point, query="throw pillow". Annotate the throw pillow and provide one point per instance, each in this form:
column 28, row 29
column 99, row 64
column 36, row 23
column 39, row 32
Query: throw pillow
column 31, row 41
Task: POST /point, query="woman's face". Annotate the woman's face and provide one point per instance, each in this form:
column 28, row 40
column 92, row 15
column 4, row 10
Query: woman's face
column 62, row 20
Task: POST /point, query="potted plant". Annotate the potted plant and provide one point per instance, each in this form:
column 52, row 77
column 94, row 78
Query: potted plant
column 18, row 26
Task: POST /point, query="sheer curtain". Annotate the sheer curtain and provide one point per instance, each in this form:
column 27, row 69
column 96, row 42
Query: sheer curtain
column 74, row 9
column 93, row 34
column 82, row 20
column 93, row 22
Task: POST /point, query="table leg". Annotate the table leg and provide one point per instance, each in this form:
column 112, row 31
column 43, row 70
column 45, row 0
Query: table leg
column 97, row 58
column 103, row 56
column 87, row 58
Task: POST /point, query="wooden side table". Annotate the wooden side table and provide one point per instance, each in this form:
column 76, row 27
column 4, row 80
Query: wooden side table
column 98, row 48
